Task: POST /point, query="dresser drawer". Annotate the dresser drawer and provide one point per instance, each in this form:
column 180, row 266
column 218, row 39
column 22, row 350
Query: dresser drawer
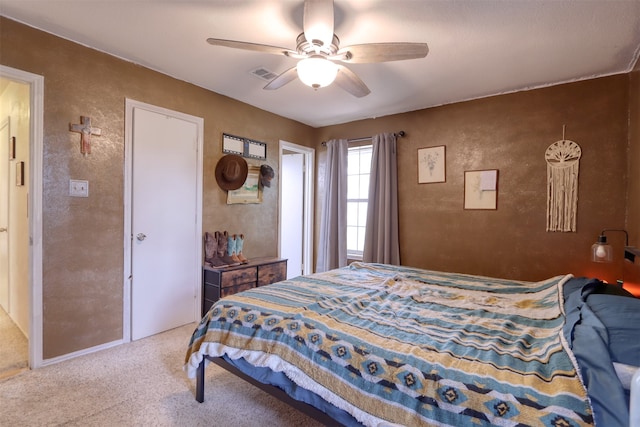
column 221, row 282
column 211, row 292
column 211, row 277
column 239, row 276
column 206, row 305
column 230, row 290
column 271, row 273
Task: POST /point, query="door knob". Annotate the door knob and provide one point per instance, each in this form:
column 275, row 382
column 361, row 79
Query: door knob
column 2, row 229
column 141, row 236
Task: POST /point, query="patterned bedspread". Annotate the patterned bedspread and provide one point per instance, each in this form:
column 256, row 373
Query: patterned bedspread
column 398, row 345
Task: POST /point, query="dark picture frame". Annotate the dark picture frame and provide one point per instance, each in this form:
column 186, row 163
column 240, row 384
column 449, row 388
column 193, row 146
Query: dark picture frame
column 12, row 148
column 20, row 174
column 481, row 189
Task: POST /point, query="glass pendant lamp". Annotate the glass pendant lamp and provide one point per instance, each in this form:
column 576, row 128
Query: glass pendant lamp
column 317, row 71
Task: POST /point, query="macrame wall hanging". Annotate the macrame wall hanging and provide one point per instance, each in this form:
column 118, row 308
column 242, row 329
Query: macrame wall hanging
column 563, row 163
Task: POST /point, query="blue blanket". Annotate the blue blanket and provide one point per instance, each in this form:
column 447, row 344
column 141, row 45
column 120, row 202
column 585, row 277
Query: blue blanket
column 407, row 346
column 601, row 328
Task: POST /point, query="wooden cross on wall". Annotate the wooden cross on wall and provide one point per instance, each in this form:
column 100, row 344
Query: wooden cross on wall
column 85, row 130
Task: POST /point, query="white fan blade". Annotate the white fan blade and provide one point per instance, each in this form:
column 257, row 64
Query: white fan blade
column 282, row 79
column 349, row 81
column 382, row 52
column 256, row 47
column 318, row 21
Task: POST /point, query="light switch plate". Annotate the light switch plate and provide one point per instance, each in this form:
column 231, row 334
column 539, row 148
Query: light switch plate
column 78, row 188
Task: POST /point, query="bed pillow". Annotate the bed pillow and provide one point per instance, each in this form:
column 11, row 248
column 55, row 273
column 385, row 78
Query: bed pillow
column 621, row 316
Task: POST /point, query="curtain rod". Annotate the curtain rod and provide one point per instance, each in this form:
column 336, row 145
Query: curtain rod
column 364, row 138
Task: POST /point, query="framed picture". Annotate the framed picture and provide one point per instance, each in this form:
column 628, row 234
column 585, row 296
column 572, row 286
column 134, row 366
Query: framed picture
column 250, row 191
column 232, row 144
column 481, row 189
column 431, row 165
column 12, row 148
column 20, row 173
column 255, row 149
column 244, row 147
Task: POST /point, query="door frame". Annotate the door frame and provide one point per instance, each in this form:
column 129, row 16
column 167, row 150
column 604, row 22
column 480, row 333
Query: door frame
column 130, row 105
column 307, row 220
column 36, row 131
column 6, row 122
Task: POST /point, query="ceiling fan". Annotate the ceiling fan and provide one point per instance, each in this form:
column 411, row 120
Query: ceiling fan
column 318, row 48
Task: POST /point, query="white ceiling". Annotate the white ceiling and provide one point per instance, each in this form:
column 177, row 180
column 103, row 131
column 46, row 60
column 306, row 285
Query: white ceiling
column 477, row 48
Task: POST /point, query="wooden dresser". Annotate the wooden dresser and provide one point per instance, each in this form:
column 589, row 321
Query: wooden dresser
column 220, row 282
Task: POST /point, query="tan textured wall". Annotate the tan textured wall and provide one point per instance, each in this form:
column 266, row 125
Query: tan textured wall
column 82, row 244
column 509, row 133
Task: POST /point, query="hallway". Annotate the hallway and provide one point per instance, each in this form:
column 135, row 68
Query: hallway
column 14, row 351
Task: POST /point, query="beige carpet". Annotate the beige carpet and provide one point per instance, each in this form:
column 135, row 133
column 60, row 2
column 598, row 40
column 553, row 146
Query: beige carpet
column 138, row 384
column 14, row 348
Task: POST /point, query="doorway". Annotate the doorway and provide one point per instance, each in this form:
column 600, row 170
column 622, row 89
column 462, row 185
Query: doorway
column 5, row 200
column 296, row 221
column 163, row 231
column 22, row 100
column 14, row 352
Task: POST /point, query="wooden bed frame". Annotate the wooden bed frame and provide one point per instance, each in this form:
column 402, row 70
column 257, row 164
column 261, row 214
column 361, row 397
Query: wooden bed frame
column 274, row 391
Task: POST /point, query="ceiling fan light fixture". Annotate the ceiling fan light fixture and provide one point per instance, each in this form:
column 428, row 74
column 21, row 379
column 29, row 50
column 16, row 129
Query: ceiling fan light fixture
column 317, row 72
column 318, row 22
column 320, row 56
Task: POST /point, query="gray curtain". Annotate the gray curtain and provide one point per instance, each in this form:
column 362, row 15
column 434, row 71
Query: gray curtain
column 332, row 245
column 381, row 235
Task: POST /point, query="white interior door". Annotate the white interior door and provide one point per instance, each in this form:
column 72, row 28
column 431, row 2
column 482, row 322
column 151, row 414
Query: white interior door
column 165, row 262
column 292, row 196
column 296, row 207
column 4, row 214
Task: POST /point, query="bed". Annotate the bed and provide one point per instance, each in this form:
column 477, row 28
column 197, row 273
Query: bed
column 381, row 345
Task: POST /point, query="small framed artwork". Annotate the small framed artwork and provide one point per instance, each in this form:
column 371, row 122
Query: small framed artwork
column 431, row 165
column 481, row 189
column 20, row 173
column 244, row 147
column 12, row 148
column 250, row 191
column 255, row 149
column 232, row 144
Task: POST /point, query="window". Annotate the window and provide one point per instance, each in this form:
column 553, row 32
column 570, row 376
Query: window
column 358, row 170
